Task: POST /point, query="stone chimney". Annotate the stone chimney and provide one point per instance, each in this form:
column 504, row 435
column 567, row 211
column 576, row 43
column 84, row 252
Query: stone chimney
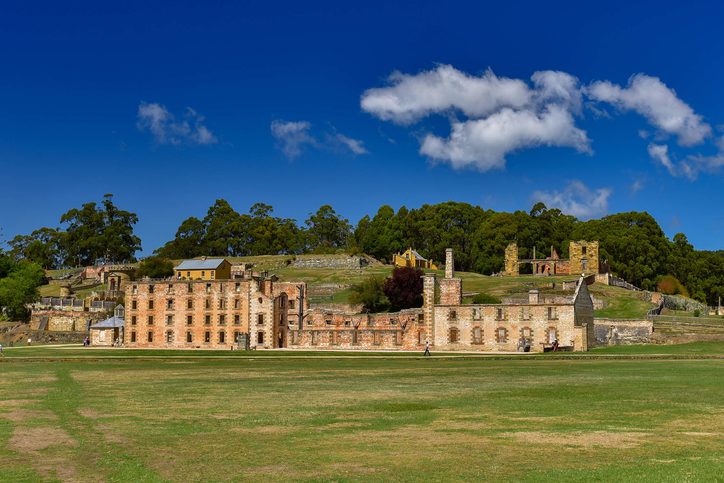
column 533, row 296
column 428, row 305
column 449, row 263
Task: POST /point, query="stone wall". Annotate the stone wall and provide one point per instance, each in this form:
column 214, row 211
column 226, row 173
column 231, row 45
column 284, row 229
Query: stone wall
column 511, row 260
column 333, row 261
column 620, row 332
column 64, row 320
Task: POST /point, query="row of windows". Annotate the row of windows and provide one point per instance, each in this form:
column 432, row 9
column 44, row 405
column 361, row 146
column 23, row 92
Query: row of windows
column 189, row 288
column 501, row 334
column 190, row 319
column 221, row 337
column 334, row 337
column 171, row 303
column 502, row 313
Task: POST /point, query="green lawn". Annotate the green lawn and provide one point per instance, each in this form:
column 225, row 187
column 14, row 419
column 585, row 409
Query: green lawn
column 278, row 416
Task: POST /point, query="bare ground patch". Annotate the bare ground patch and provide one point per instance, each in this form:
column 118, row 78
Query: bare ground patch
column 34, row 439
column 601, row 439
column 19, row 415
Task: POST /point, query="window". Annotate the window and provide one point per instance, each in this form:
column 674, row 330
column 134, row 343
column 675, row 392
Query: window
column 477, row 335
column 315, row 339
column 261, row 300
column 190, row 304
column 525, row 313
column 583, row 250
column 295, row 337
column 501, row 335
column 332, row 337
column 237, row 303
column 212, row 274
column 393, row 321
column 552, row 335
column 169, row 336
column 477, row 313
column 133, row 320
column 134, row 289
column 222, row 337
column 526, row 332
column 222, row 304
column 552, row 313
column 454, row 335
column 237, row 287
column 398, row 337
column 291, row 304
column 169, row 320
column 328, row 321
column 207, row 336
column 189, row 337
column 189, row 320
column 207, row 320
column 237, row 336
column 377, row 339
column 260, row 319
column 133, row 337
column 310, row 322
column 150, row 320
column 260, row 338
column 203, row 274
column 221, row 287
column 150, row 336
column 207, row 304
column 188, row 285
column 208, row 287
column 237, row 319
column 170, row 287
column 134, row 304
column 355, row 337
column 222, row 319
column 150, row 289
column 420, row 337
column 150, row 304
column 347, row 323
column 499, row 313
column 452, row 315
column 584, row 264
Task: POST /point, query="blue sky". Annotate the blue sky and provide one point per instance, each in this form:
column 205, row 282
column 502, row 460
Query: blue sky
column 171, row 106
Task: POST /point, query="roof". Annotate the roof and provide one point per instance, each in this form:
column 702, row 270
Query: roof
column 203, row 264
column 111, row 323
column 416, row 255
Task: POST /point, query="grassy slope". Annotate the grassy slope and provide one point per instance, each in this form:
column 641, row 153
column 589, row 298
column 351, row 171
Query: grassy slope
column 389, row 419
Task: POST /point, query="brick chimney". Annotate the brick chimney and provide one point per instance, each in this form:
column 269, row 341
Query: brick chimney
column 449, row 263
column 533, row 296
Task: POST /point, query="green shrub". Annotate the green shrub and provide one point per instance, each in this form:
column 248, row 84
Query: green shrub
column 484, row 298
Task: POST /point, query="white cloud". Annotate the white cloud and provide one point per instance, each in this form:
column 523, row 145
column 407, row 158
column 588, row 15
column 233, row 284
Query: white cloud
column 660, row 105
column 156, row 119
column 636, row 186
column 576, row 199
column 503, row 115
column 353, row 145
column 483, row 143
column 412, row 97
column 660, row 153
column 294, row 136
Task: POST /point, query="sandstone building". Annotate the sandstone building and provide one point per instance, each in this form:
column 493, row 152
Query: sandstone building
column 258, row 311
column 203, row 269
column 410, row 258
column 583, row 259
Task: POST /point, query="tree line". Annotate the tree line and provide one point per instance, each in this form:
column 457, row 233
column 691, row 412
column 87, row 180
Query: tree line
column 633, row 244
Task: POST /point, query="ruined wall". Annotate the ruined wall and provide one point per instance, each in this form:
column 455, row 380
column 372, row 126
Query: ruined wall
column 340, row 261
column 583, row 256
column 103, row 337
column 499, row 327
column 451, row 291
column 403, row 330
column 64, row 320
column 620, row 332
column 511, row 260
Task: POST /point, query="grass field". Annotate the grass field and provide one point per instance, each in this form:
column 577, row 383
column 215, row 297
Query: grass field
column 123, row 415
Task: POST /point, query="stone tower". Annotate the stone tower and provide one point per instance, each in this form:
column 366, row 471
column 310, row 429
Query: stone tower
column 583, row 257
column 428, row 305
column 511, row 260
column 451, row 288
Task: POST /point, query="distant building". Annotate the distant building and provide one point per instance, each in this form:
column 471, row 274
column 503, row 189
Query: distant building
column 410, row 258
column 203, row 269
column 108, row 332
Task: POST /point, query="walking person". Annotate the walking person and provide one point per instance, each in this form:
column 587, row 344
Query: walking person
column 427, row 348
column 1, row 351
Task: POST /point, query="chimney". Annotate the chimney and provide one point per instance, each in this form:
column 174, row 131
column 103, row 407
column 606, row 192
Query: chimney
column 533, row 297
column 449, row 263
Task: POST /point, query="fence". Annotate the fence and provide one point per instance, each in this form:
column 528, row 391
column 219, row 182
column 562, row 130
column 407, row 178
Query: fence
column 61, row 302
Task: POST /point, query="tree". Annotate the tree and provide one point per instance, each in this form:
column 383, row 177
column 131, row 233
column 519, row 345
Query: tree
column 44, row 246
column 155, row 267
column 102, row 234
column 326, row 230
column 370, row 295
column 404, row 288
column 19, row 288
column 188, row 242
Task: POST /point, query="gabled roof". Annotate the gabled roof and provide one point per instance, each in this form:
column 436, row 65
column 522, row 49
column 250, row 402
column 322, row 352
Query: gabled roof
column 203, row 264
column 111, row 323
column 416, row 255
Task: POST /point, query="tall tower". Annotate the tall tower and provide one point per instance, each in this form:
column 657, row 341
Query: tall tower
column 511, row 260
column 428, row 305
column 451, row 288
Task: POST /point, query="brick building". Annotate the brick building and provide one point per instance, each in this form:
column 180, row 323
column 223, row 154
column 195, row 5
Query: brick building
column 272, row 314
